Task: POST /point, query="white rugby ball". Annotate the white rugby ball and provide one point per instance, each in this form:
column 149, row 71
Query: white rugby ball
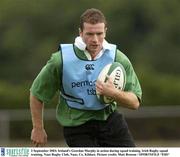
column 117, row 73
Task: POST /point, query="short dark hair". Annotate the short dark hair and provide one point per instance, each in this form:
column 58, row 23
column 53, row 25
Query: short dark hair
column 92, row 16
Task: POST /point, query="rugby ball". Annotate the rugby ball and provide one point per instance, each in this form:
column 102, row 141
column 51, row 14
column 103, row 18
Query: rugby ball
column 117, row 73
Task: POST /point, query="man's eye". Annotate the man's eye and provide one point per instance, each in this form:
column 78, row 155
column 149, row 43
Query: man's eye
column 99, row 34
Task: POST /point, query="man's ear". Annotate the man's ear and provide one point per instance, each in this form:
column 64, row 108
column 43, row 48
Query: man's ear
column 105, row 30
column 80, row 32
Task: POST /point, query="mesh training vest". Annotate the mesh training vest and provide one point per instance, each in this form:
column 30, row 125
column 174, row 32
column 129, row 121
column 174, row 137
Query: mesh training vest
column 79, row 77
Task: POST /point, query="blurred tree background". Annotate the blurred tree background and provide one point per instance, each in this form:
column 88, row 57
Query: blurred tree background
column 147, row 31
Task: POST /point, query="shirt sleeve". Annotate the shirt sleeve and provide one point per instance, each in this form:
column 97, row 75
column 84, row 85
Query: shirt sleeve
column 47, row 82
column 132, row 82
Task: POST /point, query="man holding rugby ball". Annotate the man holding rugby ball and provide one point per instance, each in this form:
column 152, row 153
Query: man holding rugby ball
column 73, row 72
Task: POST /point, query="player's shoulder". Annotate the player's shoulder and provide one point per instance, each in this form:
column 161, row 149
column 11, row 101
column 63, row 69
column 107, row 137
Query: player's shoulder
column 55, row 59
column 122, row 58
column 56, row 55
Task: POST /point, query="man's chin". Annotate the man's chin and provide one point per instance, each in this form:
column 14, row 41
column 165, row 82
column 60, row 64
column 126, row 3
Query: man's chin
column 94, row 51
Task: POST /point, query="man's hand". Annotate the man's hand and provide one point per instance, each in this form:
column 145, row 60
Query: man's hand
column 38, row 137
column 106, row 88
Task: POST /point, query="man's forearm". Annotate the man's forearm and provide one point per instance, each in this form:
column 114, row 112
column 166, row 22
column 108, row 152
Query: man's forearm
column 36, row 107
column 126, row 99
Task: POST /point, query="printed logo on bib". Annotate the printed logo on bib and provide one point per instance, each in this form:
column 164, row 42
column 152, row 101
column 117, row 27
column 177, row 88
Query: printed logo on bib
column 89, row 66
column 89, row 84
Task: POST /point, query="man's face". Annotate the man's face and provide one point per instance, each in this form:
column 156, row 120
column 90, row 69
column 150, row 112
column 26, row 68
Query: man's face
column 93, row 36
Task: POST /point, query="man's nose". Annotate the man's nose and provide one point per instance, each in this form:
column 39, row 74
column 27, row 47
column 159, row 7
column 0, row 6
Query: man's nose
column 95, row 38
